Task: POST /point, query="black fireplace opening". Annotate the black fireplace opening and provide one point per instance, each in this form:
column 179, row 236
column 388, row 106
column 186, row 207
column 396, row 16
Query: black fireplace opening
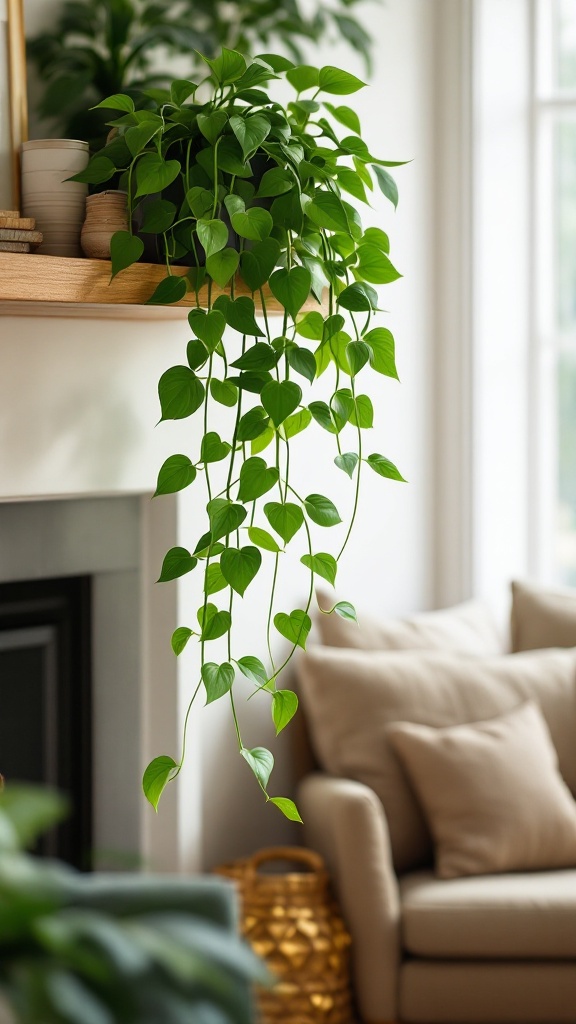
column 45, row 701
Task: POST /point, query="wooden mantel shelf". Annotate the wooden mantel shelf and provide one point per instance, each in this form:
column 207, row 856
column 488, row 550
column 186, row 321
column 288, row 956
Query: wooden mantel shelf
column 33, row 285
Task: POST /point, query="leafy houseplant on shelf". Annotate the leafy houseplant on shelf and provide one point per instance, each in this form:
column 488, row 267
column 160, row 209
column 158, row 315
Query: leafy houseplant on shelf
column 252, row 196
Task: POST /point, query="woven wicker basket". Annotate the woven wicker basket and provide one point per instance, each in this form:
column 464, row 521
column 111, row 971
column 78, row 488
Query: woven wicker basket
column 293, row 922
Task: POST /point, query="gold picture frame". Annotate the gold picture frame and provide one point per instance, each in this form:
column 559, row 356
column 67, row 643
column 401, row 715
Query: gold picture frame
column 17, row 94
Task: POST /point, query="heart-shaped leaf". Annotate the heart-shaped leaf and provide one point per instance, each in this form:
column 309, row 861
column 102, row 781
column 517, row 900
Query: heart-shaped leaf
column 223, row 265
column 239, row 567
column 154, row 173
column 212, row 125
column 258, row 263
column 214, row 581
column 175, row 474
column 228, row 67
column 288, row 807
column 263, row 440
column 252, row 424
column 240, row 315
column 250, row 131
column 321, row 413
column 363, row 414
column 213, row 623
column 347, row 462
column 296, row 424
column 382, row 351
column 346, row 116
column 158, row 774
column 295, row 627
column 253, row 669
column 358, row 354
column 256, row 479
column 125, row 249
column 261, row 762
column 327, row 211
column 99, row 170
column 180, row 638
column 374, row 266
column 208, row 327
column 196, row 353
column 302, row 360
column 139, row 136
column 225, row 517
column 158, row 216
column 322, row 564
column 274, row 182
column 384, row 467
column 337, row 82
column 262, row 539
column 118, row 101
column 311, row 326
column 217, row 679
column 200, row 200
column 171, row 289
column 346, row 611
column 254, row 223
column 387, row 185
column 280, row 398
column 303, row 77
column 321, row 510
column 181, row 89
column 213, row 449
column 177, row 562
column 284, row 707
column 284, row 518
column 291, row 288
column 212, row 234
column 260, row 356
column 180, row 393
column 224, row 392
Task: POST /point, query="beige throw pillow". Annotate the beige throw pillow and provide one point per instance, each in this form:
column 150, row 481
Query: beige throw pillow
column 542, row 617
column 350, row 697
column 467, row 628
column 492, row 793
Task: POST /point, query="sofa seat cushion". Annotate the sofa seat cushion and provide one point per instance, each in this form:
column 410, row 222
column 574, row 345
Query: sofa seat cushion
column 542, row 617
column 511, row 916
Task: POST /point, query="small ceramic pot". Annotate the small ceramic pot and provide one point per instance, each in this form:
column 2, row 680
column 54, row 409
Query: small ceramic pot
column 56, row 204
column 106, row 213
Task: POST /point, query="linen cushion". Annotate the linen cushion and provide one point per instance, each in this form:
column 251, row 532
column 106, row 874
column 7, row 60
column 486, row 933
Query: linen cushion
column 467, row 628
column 492, row 793
column 542, row 617
column 508, row 916
column 351, row 696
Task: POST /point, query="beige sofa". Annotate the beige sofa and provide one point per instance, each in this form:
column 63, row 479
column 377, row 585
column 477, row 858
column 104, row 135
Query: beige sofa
column 495, row 947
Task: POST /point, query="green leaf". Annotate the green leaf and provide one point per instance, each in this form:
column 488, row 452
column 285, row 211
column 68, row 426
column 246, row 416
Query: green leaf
column 295, row 627
column 261, row 762
column 284, row 707
column 253, row 669
column 213, row 449
column 346, row 116
column 384, row 467
column 200, row 200
column 322, row 564
column 374, row 265
column 252, row 424
column 258, row 263
column 285, row 519
column 196, row 354
column 288, row 807
column 213, row 235
column 180, row 638
column 260, row 356
column 208, row 327
column 321, row 510
column 358, row 355
column 118, row 101
column 158, row 774
column 181, row 89
column 327, row 211
column 212, row 125
column 214, row 623
column 280, row 398
column 352, row 183
column 297, row 423
column 225, row 517
column 332, row 325
column 99, row 170
column 125, row 249
column 377, row 237
column 180, row 393
column 337, row 82
column 175, row 474
column 382, row 355
column 263, row 539
column 214, row 581
column 230, row 159
column 177, row 562
column 154, row 174
column 250, row 131
column 223, row 265
column 387, row 184
column 158, row 216
column 138, row 137
column 171, row 289
column 274, row 183
column 363, row 415
column 256, row 479
column 217, row 679
column 254, row 223
column 321, row 413
column 347, row 462
column 224, row 392
column 303, row 77
column 346, row 611
column 258, row 444
column 240, row 316
column 228, row 67
column 358, row 298
column 291, row 288
column 206, row 546
column 239, row 567
column 342, row 407
column 274, row 61
column 311, row 326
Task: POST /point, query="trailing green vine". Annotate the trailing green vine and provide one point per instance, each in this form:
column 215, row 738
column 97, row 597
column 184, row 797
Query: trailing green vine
column 251, row 197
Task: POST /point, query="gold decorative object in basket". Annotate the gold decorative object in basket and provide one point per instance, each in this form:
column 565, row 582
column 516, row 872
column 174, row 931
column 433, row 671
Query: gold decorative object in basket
column 293, row 922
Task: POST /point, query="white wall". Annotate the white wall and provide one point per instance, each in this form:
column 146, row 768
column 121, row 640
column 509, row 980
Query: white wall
column 77, row 412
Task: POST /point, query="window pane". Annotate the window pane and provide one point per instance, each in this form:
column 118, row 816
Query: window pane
column 565, row 223
column 565, row 44
column 566, row 425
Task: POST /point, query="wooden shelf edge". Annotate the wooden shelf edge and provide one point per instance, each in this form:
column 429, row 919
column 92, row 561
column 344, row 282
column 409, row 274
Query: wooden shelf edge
column 34, row 285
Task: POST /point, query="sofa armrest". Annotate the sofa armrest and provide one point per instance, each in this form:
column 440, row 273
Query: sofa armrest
column 345, row 822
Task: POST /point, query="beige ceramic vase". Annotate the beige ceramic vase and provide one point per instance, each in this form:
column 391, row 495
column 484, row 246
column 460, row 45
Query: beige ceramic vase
column 106, row 213
column 56, row 204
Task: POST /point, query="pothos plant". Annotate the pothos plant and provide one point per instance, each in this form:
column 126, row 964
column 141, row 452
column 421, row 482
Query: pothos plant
column 251, row 196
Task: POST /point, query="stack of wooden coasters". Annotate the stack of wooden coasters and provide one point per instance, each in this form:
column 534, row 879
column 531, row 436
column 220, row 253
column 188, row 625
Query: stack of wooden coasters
column 17, row 233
